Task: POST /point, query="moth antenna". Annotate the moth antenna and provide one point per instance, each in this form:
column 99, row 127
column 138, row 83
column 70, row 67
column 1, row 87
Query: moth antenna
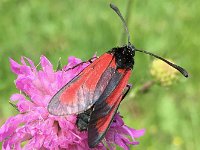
column 115, row 8
column 180, row 69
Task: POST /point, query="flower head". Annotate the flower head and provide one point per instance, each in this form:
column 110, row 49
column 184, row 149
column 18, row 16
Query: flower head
column 35, row 128
column 163, row 73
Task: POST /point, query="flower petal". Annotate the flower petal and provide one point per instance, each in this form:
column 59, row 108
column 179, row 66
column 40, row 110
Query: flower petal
column 23, row 105
column 15, row 67
column 10, row 126
column 46, row 64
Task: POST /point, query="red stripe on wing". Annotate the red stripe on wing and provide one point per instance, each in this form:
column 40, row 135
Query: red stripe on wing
column 120, row 87
column 79, row 94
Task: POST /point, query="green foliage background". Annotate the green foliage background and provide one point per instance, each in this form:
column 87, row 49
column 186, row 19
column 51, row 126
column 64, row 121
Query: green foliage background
column 80, row 28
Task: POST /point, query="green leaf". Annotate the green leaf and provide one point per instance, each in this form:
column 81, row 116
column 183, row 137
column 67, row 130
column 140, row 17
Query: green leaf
column 59, row 65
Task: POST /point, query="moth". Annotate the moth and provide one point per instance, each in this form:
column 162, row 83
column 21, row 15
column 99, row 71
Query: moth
column 96, row 93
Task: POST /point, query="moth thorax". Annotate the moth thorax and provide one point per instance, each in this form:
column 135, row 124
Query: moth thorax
column 124, row 57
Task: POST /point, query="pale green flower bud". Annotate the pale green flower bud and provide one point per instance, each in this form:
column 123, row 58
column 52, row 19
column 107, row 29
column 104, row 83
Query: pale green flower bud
column 163, row 73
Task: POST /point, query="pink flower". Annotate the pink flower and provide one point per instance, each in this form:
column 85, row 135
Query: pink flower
column 35, row 128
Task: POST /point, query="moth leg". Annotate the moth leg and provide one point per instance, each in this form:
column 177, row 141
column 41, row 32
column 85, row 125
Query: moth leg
column 89, row 60
column 83, row 119
column 126, row 90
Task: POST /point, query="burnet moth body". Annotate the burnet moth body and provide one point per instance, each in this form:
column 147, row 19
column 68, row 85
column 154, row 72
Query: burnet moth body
column 95, row 93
